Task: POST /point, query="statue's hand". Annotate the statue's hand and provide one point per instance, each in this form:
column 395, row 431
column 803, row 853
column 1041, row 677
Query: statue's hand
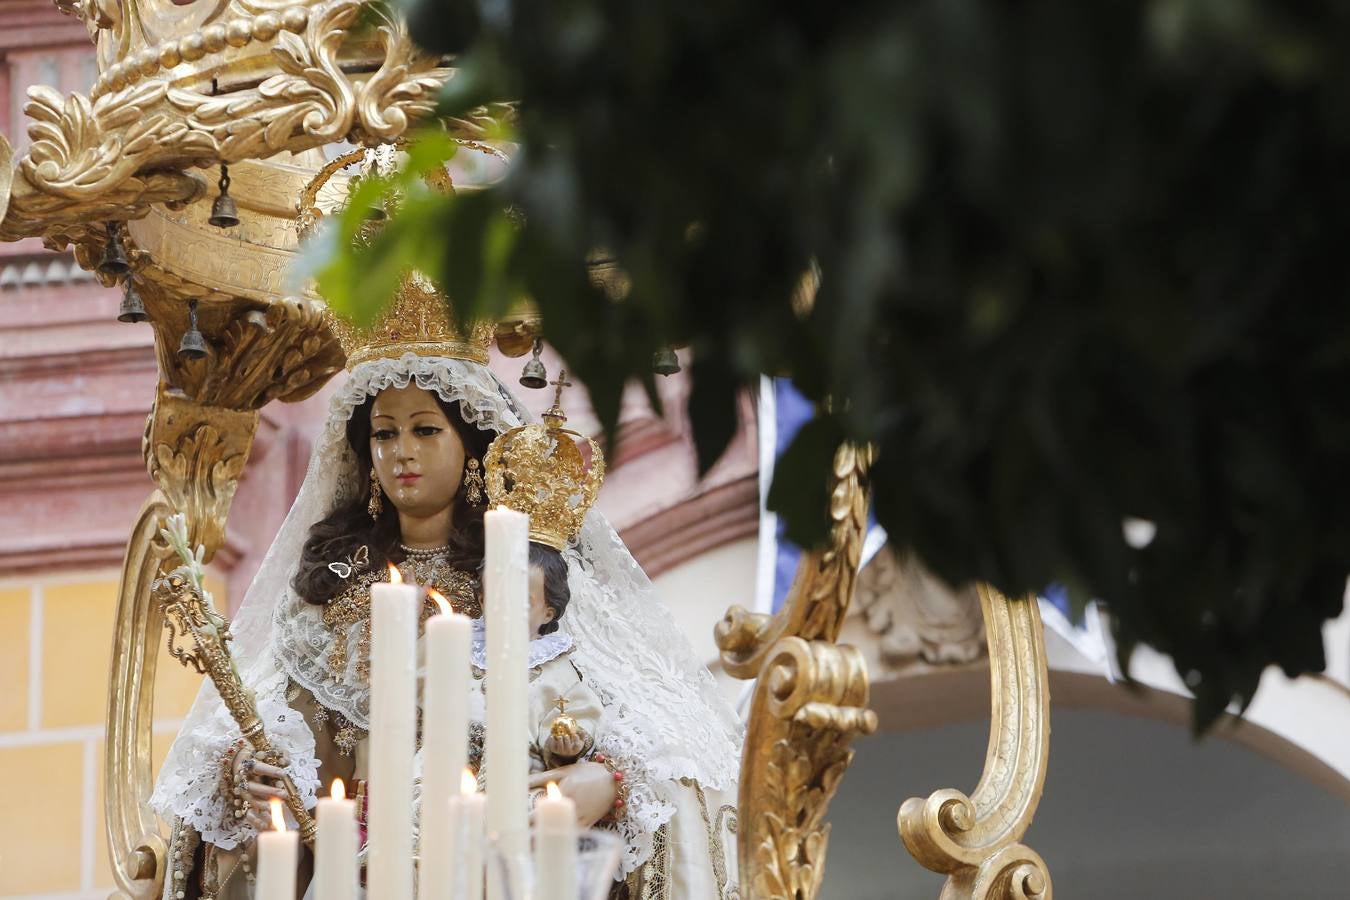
column 567, row 746
column 589, row 785
column 261, row 780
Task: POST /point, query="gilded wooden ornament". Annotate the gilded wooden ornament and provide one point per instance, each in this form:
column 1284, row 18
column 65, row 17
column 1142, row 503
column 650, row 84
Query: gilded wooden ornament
column 195, row 453
column 975, row 839
column 136, row 850
column 802, row 721
column 809, row 703
column 123, row 148
column 823, row 586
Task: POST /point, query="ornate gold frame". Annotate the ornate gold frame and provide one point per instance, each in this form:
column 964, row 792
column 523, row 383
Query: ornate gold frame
column 253, row 83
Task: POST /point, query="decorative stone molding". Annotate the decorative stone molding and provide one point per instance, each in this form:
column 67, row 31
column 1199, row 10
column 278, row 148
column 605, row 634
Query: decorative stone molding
column 915, row 616
column 711, row 518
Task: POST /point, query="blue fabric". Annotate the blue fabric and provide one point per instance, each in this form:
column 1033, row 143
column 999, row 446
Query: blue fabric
column 793, row 411
column 1058, row 597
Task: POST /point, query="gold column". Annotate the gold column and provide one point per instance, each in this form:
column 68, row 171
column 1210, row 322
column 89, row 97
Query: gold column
column 976, row 839
column 809, row 703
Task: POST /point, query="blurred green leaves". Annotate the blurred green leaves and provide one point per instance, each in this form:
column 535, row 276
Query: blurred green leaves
column 1078, row 263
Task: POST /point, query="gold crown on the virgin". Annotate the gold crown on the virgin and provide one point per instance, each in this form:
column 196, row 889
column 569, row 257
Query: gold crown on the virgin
column 539, row 470
column 418, row 320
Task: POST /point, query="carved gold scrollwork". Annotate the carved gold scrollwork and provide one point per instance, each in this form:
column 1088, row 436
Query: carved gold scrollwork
column 823, row 586
column 135, row 847
column 283, row 352
column 800, row 729
column 114, row 153
column 809, row 704
column 976, row 839
column 195, row 453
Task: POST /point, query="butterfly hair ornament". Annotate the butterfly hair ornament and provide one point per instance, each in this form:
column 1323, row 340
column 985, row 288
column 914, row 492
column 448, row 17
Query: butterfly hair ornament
column 352, row 564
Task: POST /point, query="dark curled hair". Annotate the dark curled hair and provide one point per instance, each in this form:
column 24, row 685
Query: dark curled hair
column 337, row 537
column 556, row 592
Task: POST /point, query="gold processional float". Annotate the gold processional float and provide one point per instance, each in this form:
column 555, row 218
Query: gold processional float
column 126, row 175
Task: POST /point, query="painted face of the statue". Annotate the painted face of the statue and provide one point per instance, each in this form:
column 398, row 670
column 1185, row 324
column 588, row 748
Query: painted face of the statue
column 418, row 455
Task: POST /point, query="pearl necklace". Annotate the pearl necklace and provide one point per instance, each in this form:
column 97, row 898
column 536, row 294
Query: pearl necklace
column 424, row 552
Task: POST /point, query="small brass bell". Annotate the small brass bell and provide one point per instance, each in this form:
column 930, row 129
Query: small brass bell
column 378, row 212
column 224, row 214
column 114, row 260
column 534, row 375
column 132, row 308
column 193, row 345
column 665, row 362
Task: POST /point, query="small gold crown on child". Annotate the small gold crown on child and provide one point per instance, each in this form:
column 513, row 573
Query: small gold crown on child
column 539, row 470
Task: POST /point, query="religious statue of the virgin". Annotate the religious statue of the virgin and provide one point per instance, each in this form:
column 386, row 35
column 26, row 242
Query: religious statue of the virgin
column 397, row 477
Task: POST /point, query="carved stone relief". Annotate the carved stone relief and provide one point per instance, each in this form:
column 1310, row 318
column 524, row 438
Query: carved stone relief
column 915, row 616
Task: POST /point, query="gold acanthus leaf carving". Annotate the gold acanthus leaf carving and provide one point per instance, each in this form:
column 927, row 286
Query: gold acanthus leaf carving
column 311, row 100
column 404, row 87
column 115, row 155
column 802, row 723
column 284, row 351
column 195, row 454
column 96, row 161
column 975, row 839
column 809, row 702
column 81, row 150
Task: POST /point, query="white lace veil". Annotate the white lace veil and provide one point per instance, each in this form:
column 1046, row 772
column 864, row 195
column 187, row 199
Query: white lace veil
column 657, row 695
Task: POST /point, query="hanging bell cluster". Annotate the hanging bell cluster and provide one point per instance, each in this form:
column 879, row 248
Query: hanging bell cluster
column 224, row 214
column 534, row 375
column 193, row 345
column 132, row 308
column 114, row 262
column 665, row 362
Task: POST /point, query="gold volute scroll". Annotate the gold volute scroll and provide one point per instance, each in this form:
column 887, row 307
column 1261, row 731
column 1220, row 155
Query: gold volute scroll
column 135, row 848
column 810, row 702
column 976, row 839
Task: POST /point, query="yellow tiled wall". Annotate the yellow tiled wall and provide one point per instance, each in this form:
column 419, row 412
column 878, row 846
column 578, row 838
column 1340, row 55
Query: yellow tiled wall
column 55, row 644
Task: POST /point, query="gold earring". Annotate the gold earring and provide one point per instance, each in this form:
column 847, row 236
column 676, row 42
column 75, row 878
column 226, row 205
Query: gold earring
column 473, row 482
column 376, row 504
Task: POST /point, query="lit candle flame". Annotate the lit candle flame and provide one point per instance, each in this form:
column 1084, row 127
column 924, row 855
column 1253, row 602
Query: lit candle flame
column 553, row 792
column 441, row 603
column 468, row 784
column 278, row 820
column 339, row 789
column 395, row 576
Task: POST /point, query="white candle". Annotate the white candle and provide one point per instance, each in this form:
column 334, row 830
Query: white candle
column 506, row 681
column 445, row 726
column 335, row 848
column 393, row 725
column 466, row 837
column 278, row 854
column 555, row 847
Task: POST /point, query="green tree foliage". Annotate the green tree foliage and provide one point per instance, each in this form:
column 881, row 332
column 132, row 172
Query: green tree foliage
column 1078, row 262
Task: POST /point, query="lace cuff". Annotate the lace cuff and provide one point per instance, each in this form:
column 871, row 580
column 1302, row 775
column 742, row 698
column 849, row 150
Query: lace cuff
column 191, row 790
column 644, row 811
